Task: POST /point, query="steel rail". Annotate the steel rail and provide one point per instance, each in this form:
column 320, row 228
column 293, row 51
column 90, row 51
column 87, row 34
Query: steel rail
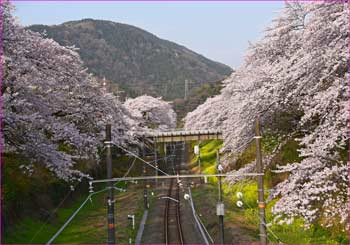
column 166, row 215
column 168, row 205
column 178, row 216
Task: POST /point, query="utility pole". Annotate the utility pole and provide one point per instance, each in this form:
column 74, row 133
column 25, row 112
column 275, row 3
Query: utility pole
column 155, row 160
column 110, row 198
column 260, row 169
column 118, row 92
column 220, row 208
column 199, row 160
column 145, row 192
column 174, row 157
column 186, row 89
column 165, row 158
column 183, row 148
column 165, row 153
column 166, row 89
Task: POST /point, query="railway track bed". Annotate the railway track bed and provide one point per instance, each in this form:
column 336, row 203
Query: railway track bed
column 173, row 233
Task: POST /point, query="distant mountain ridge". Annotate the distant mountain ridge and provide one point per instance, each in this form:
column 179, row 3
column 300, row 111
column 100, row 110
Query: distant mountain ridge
column 138, row 61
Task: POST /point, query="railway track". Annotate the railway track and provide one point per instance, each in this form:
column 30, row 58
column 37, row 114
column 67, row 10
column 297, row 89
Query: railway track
column 173, row 233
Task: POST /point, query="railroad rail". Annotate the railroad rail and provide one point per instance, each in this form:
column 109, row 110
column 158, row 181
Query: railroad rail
column 172, row 216
column 173, row 233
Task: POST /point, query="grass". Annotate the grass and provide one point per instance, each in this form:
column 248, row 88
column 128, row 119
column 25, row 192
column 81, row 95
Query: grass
column 88, row 227
column 32, row 230
column 26, row 199
column 294, row 233
column 237, row 229
column 208, row 158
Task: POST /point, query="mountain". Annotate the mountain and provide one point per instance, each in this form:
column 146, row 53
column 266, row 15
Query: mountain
column 136, row 60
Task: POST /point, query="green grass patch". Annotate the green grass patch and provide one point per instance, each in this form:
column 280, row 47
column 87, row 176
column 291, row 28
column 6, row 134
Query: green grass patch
column 208, row 157
column 294, row 233
column 89, row 226
column 31, row 230
column 207, row 153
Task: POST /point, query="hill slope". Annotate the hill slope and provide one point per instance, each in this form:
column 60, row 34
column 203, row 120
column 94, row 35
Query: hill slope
column 136, row 60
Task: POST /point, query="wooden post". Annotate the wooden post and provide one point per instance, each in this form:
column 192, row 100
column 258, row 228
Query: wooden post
column 260, row 169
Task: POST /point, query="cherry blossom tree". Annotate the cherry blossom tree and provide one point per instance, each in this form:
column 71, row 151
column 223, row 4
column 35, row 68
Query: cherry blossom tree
column 49, row 100
column 300, row 69
column 208, row 115
column 318, row 82
column 151, row 113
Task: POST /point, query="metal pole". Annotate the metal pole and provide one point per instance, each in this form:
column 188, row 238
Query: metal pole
column 165, row 153
column 110, row 198
column 199, row 160
column 165, row 159
column 145, row 194
column 174, row 157
column 260, row 169
column 156, row 161
column 220, row 205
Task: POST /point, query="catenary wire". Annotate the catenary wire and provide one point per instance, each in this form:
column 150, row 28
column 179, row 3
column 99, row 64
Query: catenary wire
column 133, row 154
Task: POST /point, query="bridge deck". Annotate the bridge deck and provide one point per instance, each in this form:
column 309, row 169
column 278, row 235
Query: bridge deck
column 183, row 135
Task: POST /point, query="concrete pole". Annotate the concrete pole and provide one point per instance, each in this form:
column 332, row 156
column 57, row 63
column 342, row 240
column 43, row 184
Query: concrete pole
column 155, row 161
column 144, row 172
column 199, row 161
column 260, row 169
column 220, row 205
column 110, row 198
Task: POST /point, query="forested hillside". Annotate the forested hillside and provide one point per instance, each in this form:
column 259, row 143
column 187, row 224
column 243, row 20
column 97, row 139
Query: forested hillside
column 135, row 59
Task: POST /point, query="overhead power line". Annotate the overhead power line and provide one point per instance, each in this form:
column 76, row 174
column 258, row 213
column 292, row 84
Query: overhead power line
column 128, row 171
column 133, row 154
column 54, row 211
column 73, row 216
column 176, row 177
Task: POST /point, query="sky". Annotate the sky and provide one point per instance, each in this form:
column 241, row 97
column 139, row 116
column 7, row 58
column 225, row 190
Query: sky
column 221, row 31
